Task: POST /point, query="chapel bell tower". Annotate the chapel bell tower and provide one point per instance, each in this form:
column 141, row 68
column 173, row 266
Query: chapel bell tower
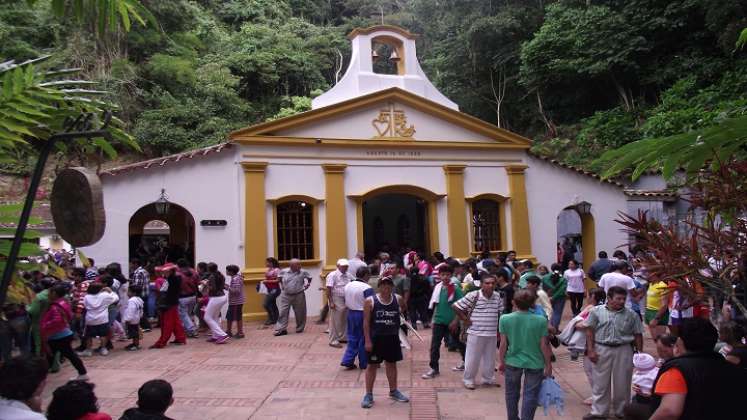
column 383, row 57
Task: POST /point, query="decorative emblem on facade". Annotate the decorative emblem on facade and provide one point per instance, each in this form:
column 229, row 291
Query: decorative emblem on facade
column 392, row 123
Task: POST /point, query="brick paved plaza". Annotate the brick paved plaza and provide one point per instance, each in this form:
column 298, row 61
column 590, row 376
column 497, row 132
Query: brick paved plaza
column 298, row 376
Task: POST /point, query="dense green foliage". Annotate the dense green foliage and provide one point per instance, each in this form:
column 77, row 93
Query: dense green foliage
column 578, row 76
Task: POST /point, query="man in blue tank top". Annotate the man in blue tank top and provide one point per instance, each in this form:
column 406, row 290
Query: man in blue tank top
column 381, row 314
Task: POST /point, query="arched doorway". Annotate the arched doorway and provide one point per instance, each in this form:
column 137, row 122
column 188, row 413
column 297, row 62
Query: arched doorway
column 396, row 218
column 156, row 238
column 576, row 235
column 394, row 222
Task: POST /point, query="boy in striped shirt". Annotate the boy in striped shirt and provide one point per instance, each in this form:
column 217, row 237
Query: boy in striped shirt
column 479, row 311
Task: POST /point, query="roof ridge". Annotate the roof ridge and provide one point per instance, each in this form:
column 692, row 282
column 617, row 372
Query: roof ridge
column 163, row 160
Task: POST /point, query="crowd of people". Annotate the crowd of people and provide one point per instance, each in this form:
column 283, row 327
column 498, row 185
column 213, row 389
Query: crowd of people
column 46, row 313
column 499, row 313
column 498, row 304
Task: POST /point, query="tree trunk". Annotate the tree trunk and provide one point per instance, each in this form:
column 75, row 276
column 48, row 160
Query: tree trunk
column 551, row 129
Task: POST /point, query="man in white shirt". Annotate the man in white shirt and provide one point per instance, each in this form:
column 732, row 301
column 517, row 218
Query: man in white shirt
column 22, row 381
column 617, row 278
column 479, row 311
column 336, row 282
column 355, row 263
column 356, row 293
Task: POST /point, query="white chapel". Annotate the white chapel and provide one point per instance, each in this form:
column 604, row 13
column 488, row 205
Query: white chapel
column 383, row 161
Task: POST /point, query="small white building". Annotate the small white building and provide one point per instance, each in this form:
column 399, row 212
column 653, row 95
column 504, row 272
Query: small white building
column 382, row 161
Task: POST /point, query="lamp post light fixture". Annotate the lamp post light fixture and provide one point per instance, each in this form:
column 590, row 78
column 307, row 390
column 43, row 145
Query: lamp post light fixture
column 583, row 208
column 162, row 204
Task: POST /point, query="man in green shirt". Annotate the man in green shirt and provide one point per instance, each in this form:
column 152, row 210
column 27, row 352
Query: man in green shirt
column 524, row 350
column 555, row 285
column 444, row 319
column 526, row 268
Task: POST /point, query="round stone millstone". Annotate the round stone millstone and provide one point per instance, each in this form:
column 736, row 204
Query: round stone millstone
column 77, row 206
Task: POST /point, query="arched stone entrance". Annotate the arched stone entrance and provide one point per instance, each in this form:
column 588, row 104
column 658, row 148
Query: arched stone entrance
column 577, row 234
column 396, row 217
column 157, row 238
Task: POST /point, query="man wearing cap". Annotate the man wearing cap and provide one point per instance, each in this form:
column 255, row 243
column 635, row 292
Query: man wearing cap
column 336, row 282
column 293, row 284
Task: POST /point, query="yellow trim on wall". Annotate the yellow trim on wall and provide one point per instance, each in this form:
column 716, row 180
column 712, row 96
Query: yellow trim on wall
column 520, row 233
column 255, row 236
column 500, row 201
column 265, row 140
column 391, row 94
column 428, row 196
column 455, row 211
column 336, row 226
column 589, row 244
column 314, row 202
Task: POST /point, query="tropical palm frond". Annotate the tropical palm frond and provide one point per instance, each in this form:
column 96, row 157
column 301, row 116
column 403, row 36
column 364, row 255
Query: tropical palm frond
column 106, row 14
column 34, row 104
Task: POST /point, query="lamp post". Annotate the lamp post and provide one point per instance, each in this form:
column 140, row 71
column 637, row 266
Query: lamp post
column 162, row 204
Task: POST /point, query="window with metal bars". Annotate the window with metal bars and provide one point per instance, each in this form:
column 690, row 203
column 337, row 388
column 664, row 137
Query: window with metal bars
column 295, row 230
column 486, row 225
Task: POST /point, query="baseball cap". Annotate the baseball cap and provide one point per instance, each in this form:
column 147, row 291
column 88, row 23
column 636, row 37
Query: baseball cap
column 343, row 261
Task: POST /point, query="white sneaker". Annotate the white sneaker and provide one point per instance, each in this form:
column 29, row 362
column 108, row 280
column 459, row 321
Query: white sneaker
column 104, row 351
column 85, row 353
column 80, row 378
column 458, row 368
column 469, row 386
column 430, row 374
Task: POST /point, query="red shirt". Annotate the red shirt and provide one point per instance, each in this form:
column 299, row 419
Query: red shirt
column 96, row 416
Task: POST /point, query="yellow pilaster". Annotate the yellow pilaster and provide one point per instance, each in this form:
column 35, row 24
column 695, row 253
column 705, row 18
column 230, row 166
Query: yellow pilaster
column 589, row 244
column 255, row 236
column 521, row 239
column 456, row 207
column 336, row 226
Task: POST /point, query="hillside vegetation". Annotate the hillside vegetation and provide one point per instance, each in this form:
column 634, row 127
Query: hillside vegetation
column 578, row 77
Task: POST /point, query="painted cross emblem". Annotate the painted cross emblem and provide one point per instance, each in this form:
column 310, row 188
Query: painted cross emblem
column 392, row 123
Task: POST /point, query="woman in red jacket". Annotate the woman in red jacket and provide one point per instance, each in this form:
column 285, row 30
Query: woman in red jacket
column 55, row 328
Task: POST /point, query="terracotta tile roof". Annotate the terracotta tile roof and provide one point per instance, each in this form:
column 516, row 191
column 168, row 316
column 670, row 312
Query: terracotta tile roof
column 164, row 160
column 577, row 170
column 652, row 194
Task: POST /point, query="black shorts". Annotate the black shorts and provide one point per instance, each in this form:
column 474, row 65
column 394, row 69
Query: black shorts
column 133, row 331
column 386, row 348
column 101, row 330
column 234, row 313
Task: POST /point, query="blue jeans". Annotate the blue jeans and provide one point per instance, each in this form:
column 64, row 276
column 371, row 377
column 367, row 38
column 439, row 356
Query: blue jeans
column 186, row 310
column 558, row 305
column 356, row 341
column 151, row 306
column 532, row 383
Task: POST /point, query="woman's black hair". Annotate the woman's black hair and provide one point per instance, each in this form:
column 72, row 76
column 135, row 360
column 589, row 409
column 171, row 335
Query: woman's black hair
column 599, row 295
column 232, row 269
column 59, row 290
column 115, row 270
column 72, row 401
column 273, row 262
column 94, row 288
